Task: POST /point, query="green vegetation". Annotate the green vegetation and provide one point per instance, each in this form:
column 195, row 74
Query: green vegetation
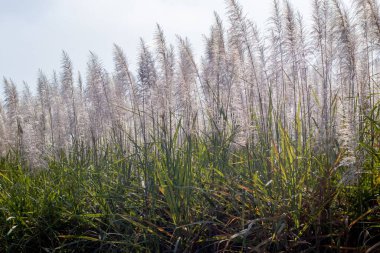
column 203, row 194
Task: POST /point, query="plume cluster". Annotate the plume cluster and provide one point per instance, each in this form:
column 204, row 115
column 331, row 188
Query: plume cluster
column 318, row 84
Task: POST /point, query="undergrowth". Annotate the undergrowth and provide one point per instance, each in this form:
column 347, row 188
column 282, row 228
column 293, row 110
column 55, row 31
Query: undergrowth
column 195, row 195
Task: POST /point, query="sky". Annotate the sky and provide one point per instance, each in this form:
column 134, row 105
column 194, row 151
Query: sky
column 34, row 32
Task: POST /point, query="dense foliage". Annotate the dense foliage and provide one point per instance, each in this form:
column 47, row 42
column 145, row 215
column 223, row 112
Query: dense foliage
column 270, row 143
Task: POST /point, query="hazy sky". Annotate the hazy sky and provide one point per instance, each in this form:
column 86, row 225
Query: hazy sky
column 34, row 32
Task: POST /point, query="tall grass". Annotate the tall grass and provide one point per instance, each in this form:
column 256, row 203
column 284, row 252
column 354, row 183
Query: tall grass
column 271, row 144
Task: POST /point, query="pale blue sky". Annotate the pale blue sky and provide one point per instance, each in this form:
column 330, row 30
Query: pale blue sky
column 34, row 32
